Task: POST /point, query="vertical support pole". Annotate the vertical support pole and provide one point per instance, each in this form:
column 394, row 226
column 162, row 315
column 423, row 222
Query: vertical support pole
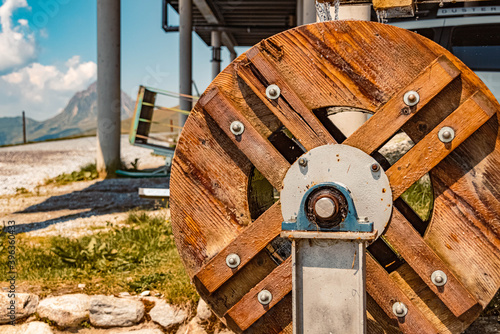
column 108, row 86
column 300, row 12
column 185, row 56
column 216, row 54
column 329, row 286
column 233, row 56
column 308, row 11
column 24, row 128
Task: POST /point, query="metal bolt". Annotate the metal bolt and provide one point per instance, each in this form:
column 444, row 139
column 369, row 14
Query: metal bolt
column 446, row 134
column 303, row 162
column 264, row 297
column 325, row 207
column 399, row 309
column 439, row 278
column 237, row 128
column 411, row 98
column 233, row 260
column 375, row 167
column 273, row 92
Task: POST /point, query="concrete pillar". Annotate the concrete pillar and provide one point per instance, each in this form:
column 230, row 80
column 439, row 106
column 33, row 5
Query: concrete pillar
column 308, row 11
column 299, row 12
column 233, row 56
column 108, row 87
column 185, row 56
column 350, row 121
column 216, row 60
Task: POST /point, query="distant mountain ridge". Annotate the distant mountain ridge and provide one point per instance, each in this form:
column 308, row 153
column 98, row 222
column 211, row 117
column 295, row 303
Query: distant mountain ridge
column 78, row 117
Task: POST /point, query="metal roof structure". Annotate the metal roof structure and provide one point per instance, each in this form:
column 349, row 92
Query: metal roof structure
column 242, row 22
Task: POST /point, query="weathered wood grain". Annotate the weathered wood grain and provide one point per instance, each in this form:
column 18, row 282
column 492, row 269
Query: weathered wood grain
column 385, row 292
column 395, row 113
column 259, row 151
column 249, row 309
column 290, row 110
column 342, row 64
column 246, row 245
column 424, row 261
column 427, row 153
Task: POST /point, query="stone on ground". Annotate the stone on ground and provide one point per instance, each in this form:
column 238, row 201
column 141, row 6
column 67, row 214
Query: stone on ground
column 203, row 312
column 193, row 327
column 25, row 305
column 36, row 327
column 167, row 315
column 65, row 311
column 141, row 331
column 109, row 311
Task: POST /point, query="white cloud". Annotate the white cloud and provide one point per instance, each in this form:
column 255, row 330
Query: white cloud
column 16, row 41
column 44, row 89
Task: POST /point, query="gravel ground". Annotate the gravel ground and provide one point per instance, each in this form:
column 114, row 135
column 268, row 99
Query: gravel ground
column 30, row 165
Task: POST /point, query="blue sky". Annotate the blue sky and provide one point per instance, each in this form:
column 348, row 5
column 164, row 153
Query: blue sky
column 48, row 52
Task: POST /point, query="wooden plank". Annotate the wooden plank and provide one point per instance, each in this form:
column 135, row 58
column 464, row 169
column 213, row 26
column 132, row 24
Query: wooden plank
column 428, row 152
column 395, row 113
column 289, row 108
column 424, row 261
column 250, row 242
column 248, row 310
column 385, row 292
column 259, row 151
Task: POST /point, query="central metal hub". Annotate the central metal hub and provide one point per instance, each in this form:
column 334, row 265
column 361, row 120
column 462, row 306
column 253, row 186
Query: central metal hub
column 326, row 207
column 336, row 188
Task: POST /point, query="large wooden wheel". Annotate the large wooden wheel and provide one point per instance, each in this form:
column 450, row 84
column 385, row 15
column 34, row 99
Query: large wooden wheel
column 221, row 204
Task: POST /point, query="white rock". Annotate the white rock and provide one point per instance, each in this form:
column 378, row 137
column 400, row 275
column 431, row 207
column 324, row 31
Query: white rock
column 167, row 315
column 124, row 294
column 24, row 306
column 225, row 331
column 203, row 312
column 31, row 328
column 65, row 311
column 109, row 311
column 142, row 331
column 145, row 293
column 193, row 327
column 81, row 286
column 38, row 327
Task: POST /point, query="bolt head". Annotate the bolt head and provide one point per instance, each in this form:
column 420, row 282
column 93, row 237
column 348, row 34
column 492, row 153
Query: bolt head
column 375, row 167
column 272, row 92
column 412, row 97
column 447, row 134
column 264, row 297
column 233, row 261
column 439, row 279
column 237, row 128
column 303, row 162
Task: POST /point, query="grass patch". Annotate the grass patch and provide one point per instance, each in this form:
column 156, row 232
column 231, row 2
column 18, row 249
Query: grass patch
column 86, row 173
column 420, row 198
column 140, row 256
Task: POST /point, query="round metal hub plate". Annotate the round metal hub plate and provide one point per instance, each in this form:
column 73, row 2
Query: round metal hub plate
column 348, row 166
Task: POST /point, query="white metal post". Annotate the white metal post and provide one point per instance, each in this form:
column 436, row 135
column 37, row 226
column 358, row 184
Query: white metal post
column 329, row 286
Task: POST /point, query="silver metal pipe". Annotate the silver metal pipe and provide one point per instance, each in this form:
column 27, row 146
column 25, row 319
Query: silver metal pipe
column 185, row 56
column 108, row 86
column 216, row 54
